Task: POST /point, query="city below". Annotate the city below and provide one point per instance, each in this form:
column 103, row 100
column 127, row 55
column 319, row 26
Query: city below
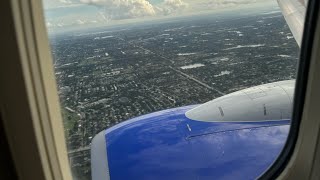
column 107, row 76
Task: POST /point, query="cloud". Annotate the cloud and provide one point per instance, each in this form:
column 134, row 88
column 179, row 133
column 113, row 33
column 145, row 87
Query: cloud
column 51, row 4
column 219, row 4
column 172, row 6
column 175, row 4
column 123, row 9
column 79, row 21
column 65, row 1
column 92, row 12
column 127, row 9
column 49, row 24
column 223, row 3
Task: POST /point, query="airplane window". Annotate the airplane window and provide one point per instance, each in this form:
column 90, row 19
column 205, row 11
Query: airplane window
column 176, row 89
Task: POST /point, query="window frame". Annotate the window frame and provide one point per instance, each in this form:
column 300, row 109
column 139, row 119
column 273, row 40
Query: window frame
column 29, row 101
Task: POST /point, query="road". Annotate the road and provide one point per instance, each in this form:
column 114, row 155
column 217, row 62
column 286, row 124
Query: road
column 197, row 81
column 86, row 148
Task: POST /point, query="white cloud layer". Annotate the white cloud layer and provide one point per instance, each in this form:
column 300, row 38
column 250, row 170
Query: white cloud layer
column 123, row 9
column 220, row 4
column 84, row 12
column 173, row 6
column 127, row 9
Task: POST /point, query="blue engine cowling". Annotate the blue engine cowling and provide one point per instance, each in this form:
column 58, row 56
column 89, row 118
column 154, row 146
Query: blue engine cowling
column 168, row 145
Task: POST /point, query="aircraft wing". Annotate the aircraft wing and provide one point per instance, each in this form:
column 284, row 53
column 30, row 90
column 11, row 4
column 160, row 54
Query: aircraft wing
column 294, row 13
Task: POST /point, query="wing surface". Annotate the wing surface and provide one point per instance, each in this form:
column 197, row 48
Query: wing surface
column 294, row 13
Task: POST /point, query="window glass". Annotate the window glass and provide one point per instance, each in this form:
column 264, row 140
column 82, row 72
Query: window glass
column 115, row 60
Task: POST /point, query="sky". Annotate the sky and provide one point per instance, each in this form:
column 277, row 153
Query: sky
column 86, row 13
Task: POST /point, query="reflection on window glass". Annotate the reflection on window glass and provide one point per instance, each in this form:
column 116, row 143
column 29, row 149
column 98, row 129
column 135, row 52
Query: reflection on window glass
column 115, row 60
